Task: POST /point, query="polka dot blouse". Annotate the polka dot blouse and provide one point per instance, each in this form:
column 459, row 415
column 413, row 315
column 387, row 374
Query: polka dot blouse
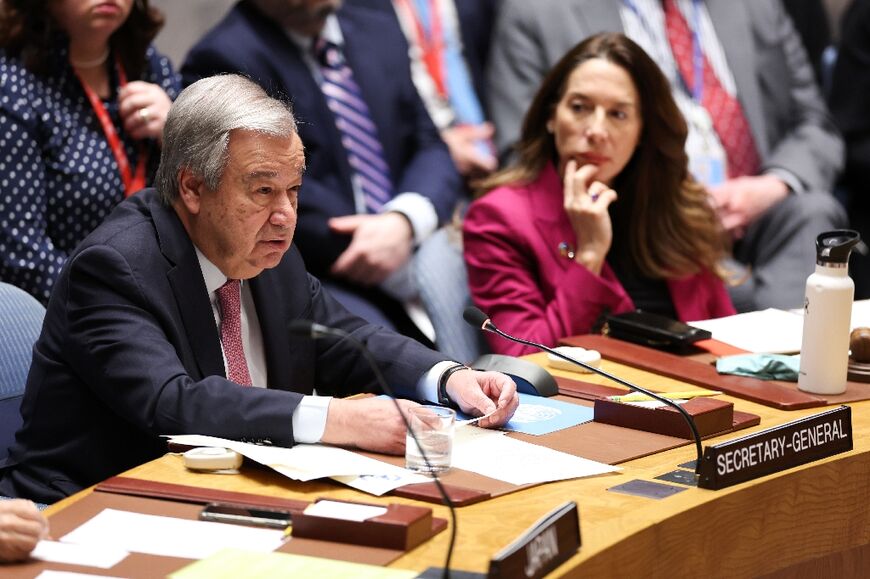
column 58, row 176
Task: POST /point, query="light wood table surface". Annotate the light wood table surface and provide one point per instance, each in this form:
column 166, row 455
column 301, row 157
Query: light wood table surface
column 809, row 521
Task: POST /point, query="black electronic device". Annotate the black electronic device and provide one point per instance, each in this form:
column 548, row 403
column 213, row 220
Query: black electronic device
column 653, row 330
column 246, row 515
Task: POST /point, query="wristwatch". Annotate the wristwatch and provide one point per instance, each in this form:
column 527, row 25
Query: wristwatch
column 443, row 397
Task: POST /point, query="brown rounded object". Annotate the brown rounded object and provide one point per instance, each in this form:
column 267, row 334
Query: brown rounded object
column 859, row 344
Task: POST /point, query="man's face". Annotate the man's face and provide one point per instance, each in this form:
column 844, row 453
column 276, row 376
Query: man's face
column 247, row 223
column 305, row 17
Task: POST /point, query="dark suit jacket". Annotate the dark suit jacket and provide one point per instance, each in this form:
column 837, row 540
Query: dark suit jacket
column 248, row 42
column 129, row 351
column 476, row 18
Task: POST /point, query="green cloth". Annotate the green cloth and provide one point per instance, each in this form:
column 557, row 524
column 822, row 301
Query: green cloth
column 761, row 366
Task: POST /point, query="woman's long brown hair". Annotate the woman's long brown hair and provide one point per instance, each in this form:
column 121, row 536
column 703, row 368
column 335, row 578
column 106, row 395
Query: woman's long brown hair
column 673, row 229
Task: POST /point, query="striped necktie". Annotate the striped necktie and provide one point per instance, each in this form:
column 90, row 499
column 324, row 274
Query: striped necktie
column 230, row 299
column 725, row 111
column 359, row 135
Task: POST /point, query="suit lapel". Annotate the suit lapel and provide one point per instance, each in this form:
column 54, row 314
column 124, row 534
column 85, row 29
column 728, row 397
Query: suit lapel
column 550, row 219
column 729, row 19
column 271, row 312
column 188, row 287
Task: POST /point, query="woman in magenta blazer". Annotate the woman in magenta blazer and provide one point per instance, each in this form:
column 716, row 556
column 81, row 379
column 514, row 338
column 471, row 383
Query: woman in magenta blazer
column 599, row 213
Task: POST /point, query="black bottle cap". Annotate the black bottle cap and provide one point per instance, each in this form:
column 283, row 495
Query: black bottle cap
column 835, row 246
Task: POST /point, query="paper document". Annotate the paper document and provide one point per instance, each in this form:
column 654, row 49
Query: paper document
column 87, row 555
column 772, row 331
column 492, row 454
column 769, row 331
column 344, row 511
column 52, row 574
column 539, row 415
column 235, row 563
column 305, row 462
column 169, row 536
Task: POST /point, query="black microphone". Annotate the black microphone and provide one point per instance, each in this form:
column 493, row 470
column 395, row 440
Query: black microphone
column 316, row 331
column 480, row 320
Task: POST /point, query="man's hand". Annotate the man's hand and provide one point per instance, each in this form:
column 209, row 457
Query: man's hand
column 143, row 107
column 479, row 393
column 21, row 527
column 367, row 423
column 471, row 148
column 381, row 244
column 740, row 201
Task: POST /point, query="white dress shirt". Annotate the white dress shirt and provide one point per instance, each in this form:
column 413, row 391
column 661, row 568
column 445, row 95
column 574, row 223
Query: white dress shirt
column 309, row 417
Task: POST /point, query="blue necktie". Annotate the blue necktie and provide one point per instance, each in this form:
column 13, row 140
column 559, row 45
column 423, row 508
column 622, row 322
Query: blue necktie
column 359, row 134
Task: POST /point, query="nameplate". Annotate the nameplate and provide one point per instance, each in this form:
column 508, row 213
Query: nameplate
column 547, row 544
column 775, row 449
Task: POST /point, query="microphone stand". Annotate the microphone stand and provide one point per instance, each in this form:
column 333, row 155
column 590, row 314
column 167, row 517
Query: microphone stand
column 315, row 331
column 478, row 319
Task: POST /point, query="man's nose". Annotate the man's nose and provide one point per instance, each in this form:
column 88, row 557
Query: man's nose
column 284, row 213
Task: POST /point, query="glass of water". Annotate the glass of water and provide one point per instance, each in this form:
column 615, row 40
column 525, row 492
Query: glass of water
column 433, row 426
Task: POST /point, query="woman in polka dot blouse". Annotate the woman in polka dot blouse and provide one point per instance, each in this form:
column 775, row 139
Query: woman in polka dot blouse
column 83, row 99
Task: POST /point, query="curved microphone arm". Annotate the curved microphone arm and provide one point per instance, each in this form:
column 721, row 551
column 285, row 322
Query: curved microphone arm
column 478, row 319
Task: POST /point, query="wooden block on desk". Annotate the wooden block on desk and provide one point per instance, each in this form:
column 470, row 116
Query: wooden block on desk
column 711, row 416
column 401, row 527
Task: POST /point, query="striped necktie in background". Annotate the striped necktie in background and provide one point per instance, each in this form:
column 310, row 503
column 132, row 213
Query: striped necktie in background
column 359, row 134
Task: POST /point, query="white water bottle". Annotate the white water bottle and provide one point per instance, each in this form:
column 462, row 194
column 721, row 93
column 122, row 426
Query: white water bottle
column 827, row 315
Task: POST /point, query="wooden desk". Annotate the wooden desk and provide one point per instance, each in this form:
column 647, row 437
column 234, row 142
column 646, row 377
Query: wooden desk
column 811, row 521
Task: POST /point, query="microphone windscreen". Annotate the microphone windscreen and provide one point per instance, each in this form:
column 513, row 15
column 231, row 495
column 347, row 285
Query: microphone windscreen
column 475, row 317
column 301, row 328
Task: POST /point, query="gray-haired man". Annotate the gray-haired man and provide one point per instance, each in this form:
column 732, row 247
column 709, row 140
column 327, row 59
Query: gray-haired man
column 150, row 332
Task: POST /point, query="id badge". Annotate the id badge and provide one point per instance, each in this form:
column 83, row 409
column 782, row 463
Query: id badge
column 707, row 169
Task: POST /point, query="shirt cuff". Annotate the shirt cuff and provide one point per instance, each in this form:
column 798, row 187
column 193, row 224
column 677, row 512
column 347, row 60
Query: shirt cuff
column 309, row 419
column 418, row 210
column 794, row 184
column 427, row 386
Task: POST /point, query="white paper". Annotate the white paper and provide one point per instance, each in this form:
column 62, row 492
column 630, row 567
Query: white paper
column 381, row 484
column 51, row 574
column 87, row 555
column 303, row 462
column 169, row 536
column 519, row 462
column 344, row 511
column 770, row 331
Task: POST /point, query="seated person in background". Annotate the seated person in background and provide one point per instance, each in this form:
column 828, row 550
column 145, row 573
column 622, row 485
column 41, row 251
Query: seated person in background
column 173, row 316
column 848, row 100
column 83, row 99
column 379, row 179
column 448, row 43
column 760, row 138
column 22, row 526
column 599, row 214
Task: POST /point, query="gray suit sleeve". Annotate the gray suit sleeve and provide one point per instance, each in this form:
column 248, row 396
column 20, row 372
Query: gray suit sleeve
column 806, row 143
column 517, row 66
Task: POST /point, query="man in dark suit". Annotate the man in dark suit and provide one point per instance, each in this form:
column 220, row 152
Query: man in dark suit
column 149, row 330
column 360, row 253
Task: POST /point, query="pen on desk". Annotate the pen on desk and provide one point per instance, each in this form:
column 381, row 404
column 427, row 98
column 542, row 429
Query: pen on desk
column 638, row 397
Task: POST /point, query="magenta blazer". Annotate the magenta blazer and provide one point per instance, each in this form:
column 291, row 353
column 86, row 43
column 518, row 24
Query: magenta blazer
column 518, row 277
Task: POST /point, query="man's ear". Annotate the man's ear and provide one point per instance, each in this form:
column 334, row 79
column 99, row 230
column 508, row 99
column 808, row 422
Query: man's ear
column 190, row 190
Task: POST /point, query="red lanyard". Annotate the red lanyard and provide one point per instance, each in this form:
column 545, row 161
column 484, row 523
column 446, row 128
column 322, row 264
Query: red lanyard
column 431, row 44
column 132, row 182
